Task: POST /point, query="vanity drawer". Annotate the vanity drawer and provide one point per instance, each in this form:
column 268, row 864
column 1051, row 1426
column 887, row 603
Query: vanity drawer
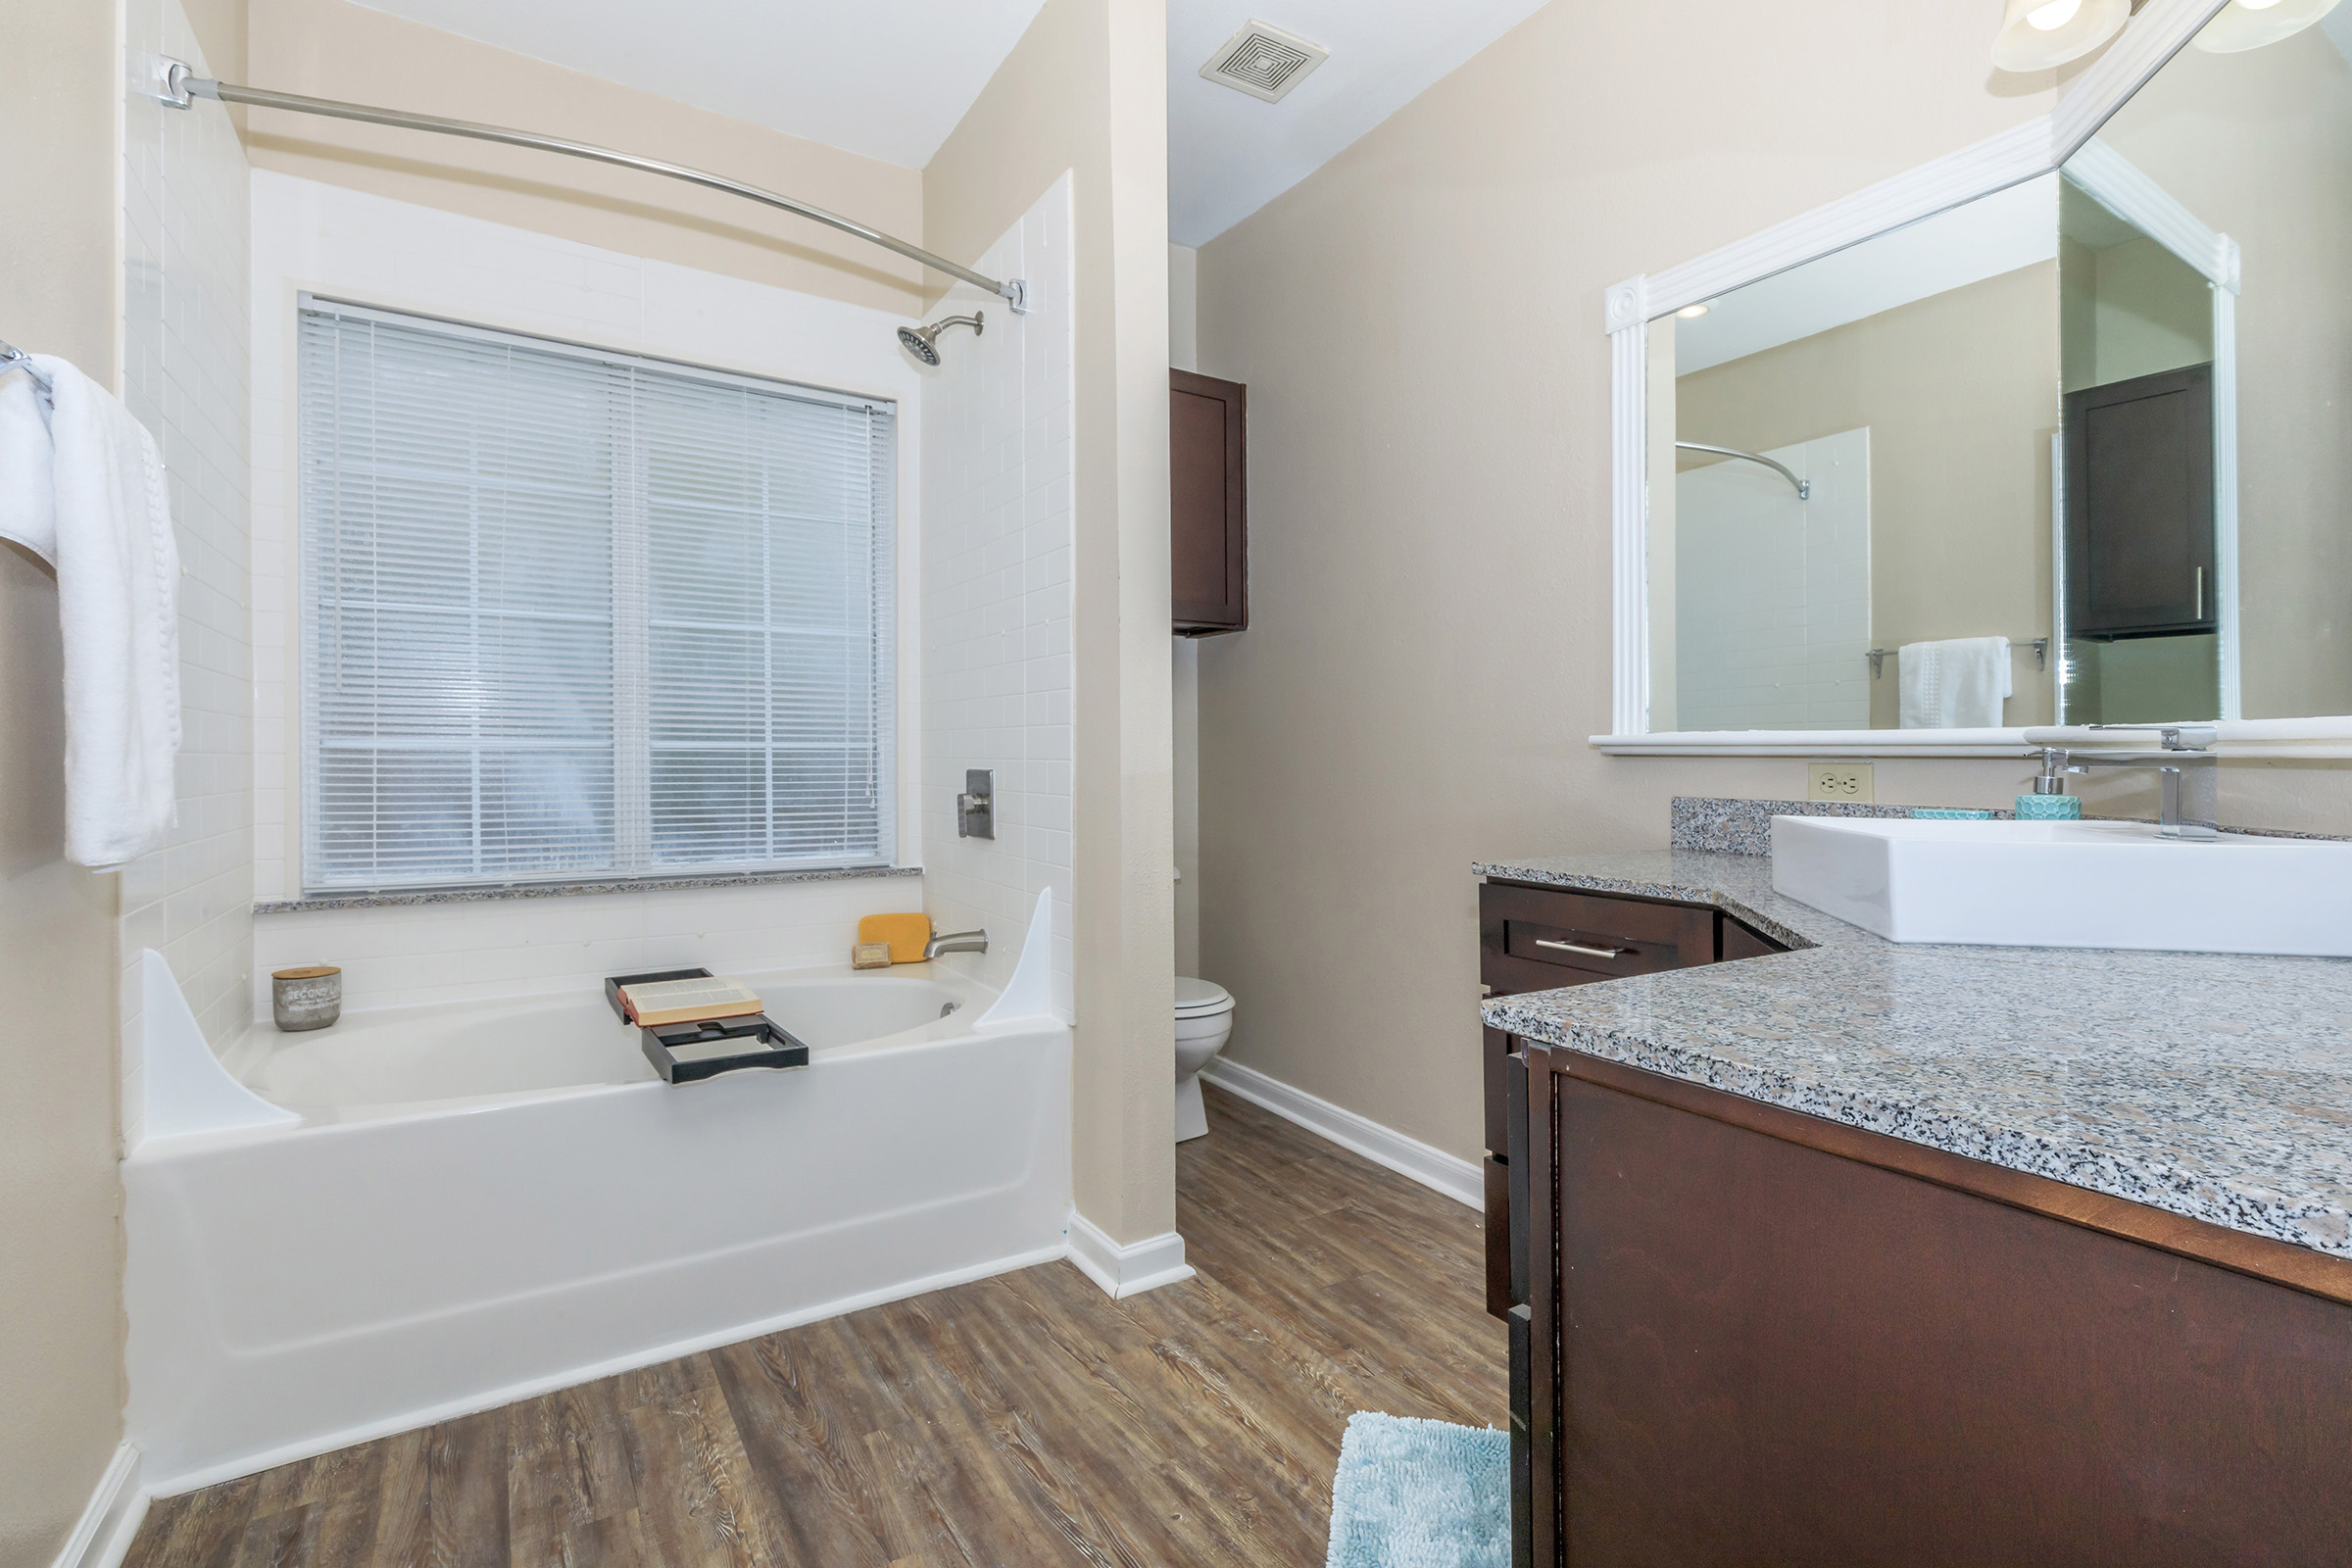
column 1577, row 937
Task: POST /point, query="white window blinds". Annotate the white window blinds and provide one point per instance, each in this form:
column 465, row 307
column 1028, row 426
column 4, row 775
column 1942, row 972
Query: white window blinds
column 575, row 616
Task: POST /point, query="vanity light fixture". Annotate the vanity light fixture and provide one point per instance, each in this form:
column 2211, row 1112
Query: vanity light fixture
column 2036, row 35
column 2244, row 24
column 1692, row 313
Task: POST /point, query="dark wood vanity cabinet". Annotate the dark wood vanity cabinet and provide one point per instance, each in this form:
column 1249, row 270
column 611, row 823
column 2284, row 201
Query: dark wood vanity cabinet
column 1538, row 938
column 1208, row 512
column 1753, row 1336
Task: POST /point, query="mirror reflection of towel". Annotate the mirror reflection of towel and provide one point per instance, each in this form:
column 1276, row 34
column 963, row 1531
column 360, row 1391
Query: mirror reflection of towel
column 1958, row 683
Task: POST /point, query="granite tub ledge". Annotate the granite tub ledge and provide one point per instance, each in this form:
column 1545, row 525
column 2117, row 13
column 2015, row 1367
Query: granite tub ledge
column 2212, row 1086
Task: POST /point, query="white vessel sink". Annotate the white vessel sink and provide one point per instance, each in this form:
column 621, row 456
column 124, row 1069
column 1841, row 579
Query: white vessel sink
column 2069, row 885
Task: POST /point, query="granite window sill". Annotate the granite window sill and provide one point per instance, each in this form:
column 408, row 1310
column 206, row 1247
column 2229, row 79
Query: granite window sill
column 568, row 890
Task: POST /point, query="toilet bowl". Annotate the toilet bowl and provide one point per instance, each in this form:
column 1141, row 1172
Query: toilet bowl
column 1203, row 1023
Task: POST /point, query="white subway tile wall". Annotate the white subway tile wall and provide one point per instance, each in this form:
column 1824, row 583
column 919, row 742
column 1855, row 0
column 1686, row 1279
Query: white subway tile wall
column 348, row 245
column 185, row 361
column 400, row 954
column 997, row 536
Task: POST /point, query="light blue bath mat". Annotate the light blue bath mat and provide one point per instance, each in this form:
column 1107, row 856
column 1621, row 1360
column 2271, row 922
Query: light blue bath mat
column 1416, row 1494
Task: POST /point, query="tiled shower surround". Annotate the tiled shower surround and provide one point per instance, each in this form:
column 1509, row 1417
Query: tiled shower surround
column 997, row 473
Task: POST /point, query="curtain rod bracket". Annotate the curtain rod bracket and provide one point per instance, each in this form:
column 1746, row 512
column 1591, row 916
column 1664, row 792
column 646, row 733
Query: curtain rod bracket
column 171, row 80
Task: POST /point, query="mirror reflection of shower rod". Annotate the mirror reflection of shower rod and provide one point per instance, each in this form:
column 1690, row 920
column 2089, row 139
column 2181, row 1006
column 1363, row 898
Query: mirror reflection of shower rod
column 1804, row 491
column 178, row 85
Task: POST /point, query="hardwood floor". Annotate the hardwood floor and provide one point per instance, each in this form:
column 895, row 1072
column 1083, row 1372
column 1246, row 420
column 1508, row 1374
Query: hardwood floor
column 1026, row 1420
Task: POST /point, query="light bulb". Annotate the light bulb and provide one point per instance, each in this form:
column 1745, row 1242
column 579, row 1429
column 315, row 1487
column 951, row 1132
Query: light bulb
column 2244, row 24
column 2037, row 35
column 1690, row 313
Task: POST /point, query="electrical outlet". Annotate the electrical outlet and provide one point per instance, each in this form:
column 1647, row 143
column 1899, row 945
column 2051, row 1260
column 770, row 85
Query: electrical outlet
column 1838, row 781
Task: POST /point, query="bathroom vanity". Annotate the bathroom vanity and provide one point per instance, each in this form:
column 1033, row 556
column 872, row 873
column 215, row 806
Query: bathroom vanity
column 1865, row 1253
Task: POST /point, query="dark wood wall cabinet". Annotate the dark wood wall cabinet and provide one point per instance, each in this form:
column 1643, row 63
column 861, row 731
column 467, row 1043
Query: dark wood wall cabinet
column 1751, row 1336
column 2140, row 541
column 1208, row 513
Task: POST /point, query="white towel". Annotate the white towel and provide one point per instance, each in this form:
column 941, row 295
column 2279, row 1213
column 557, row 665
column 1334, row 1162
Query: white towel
column 27, row 492
column 1958, row 683
column 118, row 609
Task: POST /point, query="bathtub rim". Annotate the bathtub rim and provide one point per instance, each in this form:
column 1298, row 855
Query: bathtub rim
column 241, row 1057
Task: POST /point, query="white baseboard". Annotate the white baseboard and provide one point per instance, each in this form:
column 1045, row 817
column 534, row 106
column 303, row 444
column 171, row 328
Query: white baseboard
column 1128, row 1270
column 1434, row 1168
column 102, row 1536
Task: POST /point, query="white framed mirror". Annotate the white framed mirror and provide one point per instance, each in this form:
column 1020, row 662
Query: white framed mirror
column 2008, row 446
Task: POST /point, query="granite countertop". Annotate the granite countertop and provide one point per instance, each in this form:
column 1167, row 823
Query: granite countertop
column 2213, row 1086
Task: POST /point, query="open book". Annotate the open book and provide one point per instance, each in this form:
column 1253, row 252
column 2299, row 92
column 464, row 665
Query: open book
column 687, row 1001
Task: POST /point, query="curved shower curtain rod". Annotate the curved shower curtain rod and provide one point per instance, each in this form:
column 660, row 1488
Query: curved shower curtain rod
column 1804, row 490
column 179, row 85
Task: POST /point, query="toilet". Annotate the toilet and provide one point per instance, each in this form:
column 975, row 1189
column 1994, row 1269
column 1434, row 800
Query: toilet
column 1203, row 1023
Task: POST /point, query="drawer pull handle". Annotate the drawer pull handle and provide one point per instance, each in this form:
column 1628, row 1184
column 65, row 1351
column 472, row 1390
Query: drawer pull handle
column 1579, row 947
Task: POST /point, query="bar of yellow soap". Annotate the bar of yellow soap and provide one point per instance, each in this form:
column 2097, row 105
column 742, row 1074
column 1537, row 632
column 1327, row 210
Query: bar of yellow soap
column 906, row 934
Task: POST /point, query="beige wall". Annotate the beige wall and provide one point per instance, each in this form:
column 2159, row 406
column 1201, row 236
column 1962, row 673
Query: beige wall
column 219, row 29
column 60, row 1279
column 2259, row 146
column 1419, row 324
column 1086, row 90
column 1960, row 392
column 334, row 49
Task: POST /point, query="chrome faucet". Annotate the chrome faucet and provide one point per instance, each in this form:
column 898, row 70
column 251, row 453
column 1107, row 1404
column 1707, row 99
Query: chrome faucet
column 956, row 942
column 2191, row 801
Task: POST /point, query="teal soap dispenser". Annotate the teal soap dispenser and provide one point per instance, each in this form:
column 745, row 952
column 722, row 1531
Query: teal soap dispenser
column 2049, row 801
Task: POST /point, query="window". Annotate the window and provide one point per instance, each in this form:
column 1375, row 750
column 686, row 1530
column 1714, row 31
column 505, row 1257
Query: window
column 577, row 615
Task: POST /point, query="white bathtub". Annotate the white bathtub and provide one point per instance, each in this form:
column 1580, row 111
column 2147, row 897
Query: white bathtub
column 477, row 1201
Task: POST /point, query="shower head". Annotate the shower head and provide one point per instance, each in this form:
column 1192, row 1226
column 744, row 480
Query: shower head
column 923, row 341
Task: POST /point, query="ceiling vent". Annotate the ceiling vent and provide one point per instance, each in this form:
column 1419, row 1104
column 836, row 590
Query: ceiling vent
column 1265, row 62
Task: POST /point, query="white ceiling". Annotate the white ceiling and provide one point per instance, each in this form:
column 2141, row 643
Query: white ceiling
column 889, row 78
column 1229, row 154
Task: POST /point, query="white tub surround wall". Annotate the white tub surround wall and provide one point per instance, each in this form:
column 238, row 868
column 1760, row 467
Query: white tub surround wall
column 184, row 375
column 400, row 955
column 998, row 476
column 348, row 245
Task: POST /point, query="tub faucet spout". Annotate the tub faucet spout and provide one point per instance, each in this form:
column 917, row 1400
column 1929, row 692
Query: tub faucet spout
column 956, row 942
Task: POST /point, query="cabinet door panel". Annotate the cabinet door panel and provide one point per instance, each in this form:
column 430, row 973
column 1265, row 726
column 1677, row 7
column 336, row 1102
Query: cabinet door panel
column 1770, row 1353
column 1208, row 502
